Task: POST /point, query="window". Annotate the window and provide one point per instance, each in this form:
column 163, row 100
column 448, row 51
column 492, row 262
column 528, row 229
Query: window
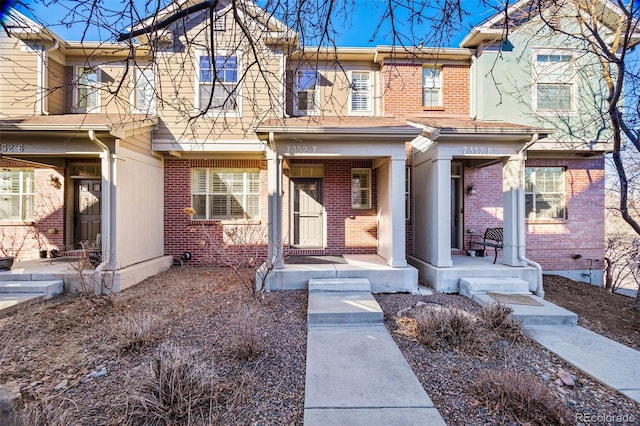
column 16, row 194
column 218, row 82
column 360, row 188
column 360, row 92
column 143, row 93
column 431, row 87
column 87, row 93
column 225, row 193
column 544, row 193
column 554, row 85
column 306, row 93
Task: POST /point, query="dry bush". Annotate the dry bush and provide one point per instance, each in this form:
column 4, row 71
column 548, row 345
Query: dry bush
column 245, row 343
column 448, row 328
column 521, row 396
column 47, row 413
column 135, row 331
column 498, row 318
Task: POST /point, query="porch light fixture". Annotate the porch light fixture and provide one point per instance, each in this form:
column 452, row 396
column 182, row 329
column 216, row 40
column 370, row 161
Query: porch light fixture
column 55, row 182
column 471, row 190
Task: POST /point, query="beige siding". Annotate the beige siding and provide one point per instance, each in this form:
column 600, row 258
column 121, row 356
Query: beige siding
column 18, row 78
column 55, row 87
column 140, row 144
column 177, row 86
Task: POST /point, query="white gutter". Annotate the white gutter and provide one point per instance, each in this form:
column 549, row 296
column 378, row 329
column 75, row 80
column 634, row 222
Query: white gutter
column 107, row 176
column 42, row 76
column 520, row 234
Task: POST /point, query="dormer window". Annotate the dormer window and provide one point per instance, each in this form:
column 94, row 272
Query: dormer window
column 87, row 90
column 306, row 93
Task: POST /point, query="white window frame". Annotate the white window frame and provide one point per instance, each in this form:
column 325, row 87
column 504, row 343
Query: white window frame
column 367, row 203
column 22, row 194
column 534, row 193
column 316, row 94
column 238, row 84
column 554, row 75
column 353, row 89
column 432, row 82
column 242, row 198
column 95, row 90
column 133, row 98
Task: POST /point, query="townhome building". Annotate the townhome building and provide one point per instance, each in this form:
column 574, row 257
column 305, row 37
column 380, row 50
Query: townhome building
column 390, row 160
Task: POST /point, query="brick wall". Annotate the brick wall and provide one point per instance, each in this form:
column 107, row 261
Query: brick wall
column 402, row 85
column 552, row 243
column 46, row 232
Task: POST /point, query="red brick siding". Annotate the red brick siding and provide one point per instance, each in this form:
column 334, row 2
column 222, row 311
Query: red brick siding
column 25, row 240
column 402, row 85
column 553, row 243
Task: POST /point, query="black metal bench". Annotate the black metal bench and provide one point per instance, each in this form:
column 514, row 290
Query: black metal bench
column 493, row 237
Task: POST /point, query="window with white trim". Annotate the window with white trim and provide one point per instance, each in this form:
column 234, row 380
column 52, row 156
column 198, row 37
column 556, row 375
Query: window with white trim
column 218, row 83
column 307, row 93
column 360, row 188
column 16, row 194
column 554, row 82
column 225, row 193
column 431, row 87
column 544, row 193
column 360, row 101
column 143, row 97
column 87, row 89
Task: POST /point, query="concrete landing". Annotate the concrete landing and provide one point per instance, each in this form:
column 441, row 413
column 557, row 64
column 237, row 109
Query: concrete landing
column 547, row 314
column 472, row 286
column 358, row 376
column 343, row 308
column 605, row 360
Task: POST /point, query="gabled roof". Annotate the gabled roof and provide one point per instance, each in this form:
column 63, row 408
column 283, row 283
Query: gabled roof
column 523, row 11
column 23, row 28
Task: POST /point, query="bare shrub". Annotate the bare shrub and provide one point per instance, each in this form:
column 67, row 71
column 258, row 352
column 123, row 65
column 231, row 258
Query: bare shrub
column 447, row 328
column 41, row 412
column 135, row 331
column 95, row 284
column 498, row 318
column 521, row 396
column 245, row 343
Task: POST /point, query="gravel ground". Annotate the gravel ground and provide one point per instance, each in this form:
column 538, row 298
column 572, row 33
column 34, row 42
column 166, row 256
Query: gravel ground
column 67, row 352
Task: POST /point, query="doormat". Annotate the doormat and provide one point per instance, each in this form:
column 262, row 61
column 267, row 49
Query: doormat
column 515, row 299
column 314, row 260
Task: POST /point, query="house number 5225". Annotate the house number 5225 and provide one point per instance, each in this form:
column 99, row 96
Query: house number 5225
column 300, row 149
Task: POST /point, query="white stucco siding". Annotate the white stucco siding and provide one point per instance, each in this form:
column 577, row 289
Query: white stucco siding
column 384, row 213
column 139, row 204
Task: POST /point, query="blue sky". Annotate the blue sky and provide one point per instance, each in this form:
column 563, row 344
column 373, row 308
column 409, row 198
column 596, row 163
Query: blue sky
column 358, row 32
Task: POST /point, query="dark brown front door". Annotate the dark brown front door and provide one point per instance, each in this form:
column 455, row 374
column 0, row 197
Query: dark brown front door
column 307, row 213
column 88, row 210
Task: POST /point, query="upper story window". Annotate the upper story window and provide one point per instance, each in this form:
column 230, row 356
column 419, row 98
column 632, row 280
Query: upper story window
column 225, row 193
column 16, row 194
column 431, row 87
column 306, row 93
column 554, row 82
column 87, row 89
column 218, row 84
column 360, row 102
column 360, row 188
column 143, row 93
column 544, row 193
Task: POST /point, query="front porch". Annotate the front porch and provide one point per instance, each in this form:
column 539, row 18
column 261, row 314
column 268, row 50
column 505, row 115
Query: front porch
column 296, row 272
column 446, row 279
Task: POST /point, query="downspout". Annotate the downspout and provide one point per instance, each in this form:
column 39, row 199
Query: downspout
column 106, row 239
column 520, row 237
column 42, row 60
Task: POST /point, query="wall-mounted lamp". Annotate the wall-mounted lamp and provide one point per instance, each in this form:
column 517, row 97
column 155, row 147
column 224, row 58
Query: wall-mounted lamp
column 471, row 190
column 55, row 182
column 576, row 256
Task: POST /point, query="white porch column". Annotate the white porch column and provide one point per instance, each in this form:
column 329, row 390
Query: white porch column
column 513, row 222
column 398, row 257
column 441, row 210
column 274, row 187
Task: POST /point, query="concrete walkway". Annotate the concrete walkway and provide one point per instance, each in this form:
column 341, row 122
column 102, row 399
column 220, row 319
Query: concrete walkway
column 607, row 361
column 356, row 375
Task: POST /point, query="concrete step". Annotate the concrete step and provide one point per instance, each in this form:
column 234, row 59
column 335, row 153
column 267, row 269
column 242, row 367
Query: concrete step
column 48, row 288
column 547, row 314
column 343, row 308
column 472, row 286
column 339, row 284
column 12, row 301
